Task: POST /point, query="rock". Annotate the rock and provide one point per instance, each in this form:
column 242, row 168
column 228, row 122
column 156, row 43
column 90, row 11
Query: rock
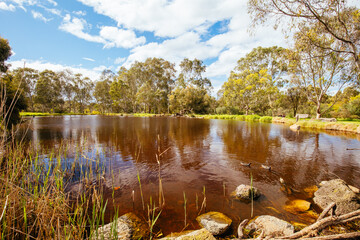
column 295, row 127
column 128, row 227
column 243, row 192
column 201, row 234
column 215, row 222
column 339, row 192
column 271, row 226
column 297, row 205
column 310, row 191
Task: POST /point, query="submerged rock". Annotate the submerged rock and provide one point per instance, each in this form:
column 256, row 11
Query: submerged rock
column 296, row 206
column 126, row 227
column 215, row 222
column 201, row 234
column 243, row 192
column 339, row 192
column 271, row 226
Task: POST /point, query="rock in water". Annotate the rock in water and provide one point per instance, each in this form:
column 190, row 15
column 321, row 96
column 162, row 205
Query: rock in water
column 339, row 192
column 201, row 234
column 243, row 192
column 126, row 227
column 295, row 127
column 296, row 206
column 215, row 222
column 271, row 226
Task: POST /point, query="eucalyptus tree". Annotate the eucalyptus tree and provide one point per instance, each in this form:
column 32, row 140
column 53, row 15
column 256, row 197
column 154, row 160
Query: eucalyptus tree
column 48, row 91
column 192, row 91
column 5, row 53
column 274, row 61
column 83, row 90
column 26, row 79
column 69, row 86
column 319, row 70
column 338, row 22
column 246, row 90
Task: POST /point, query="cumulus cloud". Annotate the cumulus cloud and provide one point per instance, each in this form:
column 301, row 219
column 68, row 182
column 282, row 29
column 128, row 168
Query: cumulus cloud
column 120, row 38
column 76, row 26
column 166, row 18
column 109, row 36
column 4, row 6
column 119, row 60
column 40, row 65
column 39, row 16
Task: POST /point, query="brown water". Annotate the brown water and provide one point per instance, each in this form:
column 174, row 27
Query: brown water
column 202, row 153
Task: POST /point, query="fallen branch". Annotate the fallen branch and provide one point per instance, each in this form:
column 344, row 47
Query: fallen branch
column 331, row 206
column 325, row 222
column 352, row 235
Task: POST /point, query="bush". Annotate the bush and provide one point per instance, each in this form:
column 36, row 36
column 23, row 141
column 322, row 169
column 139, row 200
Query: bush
column 266, row 119
column 252, row 118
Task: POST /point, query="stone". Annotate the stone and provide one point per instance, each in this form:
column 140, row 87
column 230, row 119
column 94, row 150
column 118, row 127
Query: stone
column 271, row 226
column 339, row 192
column 201, row 234
column 215, row 222
column 127, row 227
column 310, row 191
column 243, row 192
column 295, row 127
column 296, row 206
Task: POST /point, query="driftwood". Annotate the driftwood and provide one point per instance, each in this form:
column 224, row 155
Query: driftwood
column 321, row 223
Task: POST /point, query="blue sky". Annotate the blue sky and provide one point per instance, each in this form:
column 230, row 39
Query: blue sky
column 88, row 36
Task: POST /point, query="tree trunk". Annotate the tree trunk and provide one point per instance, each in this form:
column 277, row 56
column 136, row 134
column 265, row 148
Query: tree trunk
column 318, row 113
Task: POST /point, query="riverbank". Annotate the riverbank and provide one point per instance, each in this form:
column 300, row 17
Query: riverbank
column 350, row 126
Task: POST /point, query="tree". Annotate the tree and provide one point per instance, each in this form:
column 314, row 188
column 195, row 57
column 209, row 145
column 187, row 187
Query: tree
column 274, row 61
column 11, row 98
column 48, row 91
column 246, row 90
column 68, row 87
column 338, row 21
column 295, row 96
column 318, row 70
column 192, row 92
column 26, row 78
column 83, row 88
column 102, row 89
column 5, row 53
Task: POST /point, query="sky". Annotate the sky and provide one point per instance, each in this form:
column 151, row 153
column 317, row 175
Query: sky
column 89, row 36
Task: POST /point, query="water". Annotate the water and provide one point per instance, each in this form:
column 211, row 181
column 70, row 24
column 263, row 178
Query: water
column 202, row 154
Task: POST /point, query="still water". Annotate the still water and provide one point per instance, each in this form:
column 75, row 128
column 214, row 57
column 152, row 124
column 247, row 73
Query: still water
column 201, row 154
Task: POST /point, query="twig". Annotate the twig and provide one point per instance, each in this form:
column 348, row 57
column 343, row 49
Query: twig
column 326, row 210
column 352, row 235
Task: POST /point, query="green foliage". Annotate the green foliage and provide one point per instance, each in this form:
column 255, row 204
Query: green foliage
column 13, row 99
column 252, row 118
column 5, row 53
column 265, row 119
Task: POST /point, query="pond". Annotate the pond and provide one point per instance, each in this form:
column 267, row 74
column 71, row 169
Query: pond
column 198, row 155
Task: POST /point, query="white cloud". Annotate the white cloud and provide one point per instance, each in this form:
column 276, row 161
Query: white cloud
column 76, row 26
column 88, row 59
column 53, row 11
column 119, row 60
column 109, row 36
column 52, row 2
column 79, row 13
column 4, row 6
column 40, row 65
column 167, row 18
column 39, row 16
column 120, row 38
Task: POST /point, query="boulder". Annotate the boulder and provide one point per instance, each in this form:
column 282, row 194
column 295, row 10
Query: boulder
column 126, row 227
column 215, row 222
column 243, row 192
column 339, row 192
column 201, row 234
column 271, row 226
column 295, row 127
